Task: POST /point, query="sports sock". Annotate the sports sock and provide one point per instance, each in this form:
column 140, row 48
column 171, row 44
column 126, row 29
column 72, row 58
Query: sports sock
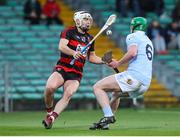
column 49, row 110
column 53, row 116
column 107, row 111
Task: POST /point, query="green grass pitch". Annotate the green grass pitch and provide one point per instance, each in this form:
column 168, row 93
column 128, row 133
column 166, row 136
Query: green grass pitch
column 76, row 123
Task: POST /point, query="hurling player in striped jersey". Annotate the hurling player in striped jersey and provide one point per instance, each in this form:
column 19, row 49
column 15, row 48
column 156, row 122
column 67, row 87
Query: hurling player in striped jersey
column 69, row 76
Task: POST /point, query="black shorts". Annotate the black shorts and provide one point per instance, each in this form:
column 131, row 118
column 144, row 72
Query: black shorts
column 69, row 75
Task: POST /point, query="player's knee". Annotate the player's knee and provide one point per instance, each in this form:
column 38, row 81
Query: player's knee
column 50, row 89
column 68, row 95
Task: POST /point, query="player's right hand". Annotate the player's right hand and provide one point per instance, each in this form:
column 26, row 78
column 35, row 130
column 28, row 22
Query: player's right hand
column 77, row 54
column 114, row 64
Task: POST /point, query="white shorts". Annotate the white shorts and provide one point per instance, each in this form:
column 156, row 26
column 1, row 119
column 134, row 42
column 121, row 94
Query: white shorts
column 130, row 85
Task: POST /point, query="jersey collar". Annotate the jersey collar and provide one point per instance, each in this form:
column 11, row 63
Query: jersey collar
column 139, row 32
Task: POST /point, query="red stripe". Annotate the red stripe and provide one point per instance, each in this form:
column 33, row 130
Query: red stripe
column 68, row 69
column 79, row 64
column 63, row 35
column 67, row 60
column 75, row 43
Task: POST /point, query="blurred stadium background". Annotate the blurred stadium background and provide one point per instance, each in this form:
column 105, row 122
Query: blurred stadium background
column 28, row 54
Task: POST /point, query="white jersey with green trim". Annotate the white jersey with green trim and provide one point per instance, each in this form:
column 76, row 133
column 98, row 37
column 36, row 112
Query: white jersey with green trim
column 140, row 67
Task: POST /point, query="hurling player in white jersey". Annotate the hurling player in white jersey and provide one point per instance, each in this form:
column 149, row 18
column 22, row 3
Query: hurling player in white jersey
column 134, row 81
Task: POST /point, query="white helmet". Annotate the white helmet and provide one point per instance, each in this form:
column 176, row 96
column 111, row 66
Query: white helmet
column 79, row 16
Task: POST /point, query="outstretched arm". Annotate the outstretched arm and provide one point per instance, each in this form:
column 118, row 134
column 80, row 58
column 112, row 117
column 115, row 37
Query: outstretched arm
column 95, row 59
column 132, row 52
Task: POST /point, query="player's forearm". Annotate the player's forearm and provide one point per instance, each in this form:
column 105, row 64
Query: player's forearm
column 96, row 60
column 66, row 50
column 126, row 58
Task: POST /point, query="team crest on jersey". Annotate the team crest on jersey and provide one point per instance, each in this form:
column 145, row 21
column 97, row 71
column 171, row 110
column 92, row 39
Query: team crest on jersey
column 83, row 39
column 129, row 81
column 80, row 48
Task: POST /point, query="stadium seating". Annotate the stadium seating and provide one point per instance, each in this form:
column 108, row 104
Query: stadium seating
column 32, row 52
column 169, row 70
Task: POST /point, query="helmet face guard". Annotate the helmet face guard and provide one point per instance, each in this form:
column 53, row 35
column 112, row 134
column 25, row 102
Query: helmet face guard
column 138, row 23
column 79, row 17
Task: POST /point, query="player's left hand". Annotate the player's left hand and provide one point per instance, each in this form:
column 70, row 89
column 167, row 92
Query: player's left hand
column 114, row 63
column 77, row 55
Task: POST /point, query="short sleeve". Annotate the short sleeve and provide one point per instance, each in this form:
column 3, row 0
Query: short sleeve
column 131, row 40
column 66, row 34
column 92, row 47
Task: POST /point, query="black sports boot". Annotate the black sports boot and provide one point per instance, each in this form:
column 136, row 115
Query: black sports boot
column 103, row 122
column 47, row 122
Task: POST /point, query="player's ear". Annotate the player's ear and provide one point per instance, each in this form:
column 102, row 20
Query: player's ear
column 77, row 22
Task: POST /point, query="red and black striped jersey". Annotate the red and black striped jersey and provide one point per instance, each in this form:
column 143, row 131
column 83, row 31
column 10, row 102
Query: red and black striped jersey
column 76, row 40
